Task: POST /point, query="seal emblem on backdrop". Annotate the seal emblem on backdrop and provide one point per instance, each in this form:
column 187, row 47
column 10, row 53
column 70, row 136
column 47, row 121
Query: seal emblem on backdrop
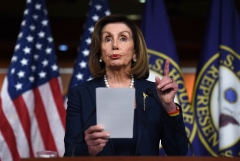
column 217, row 104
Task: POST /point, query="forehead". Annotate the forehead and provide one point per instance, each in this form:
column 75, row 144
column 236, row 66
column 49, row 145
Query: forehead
column 116, row 27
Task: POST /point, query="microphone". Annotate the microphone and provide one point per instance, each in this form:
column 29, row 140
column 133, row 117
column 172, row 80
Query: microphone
column 150, row 93
column 81, row 132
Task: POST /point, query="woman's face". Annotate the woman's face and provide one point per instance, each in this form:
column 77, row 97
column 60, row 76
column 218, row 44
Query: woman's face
column 117, row 46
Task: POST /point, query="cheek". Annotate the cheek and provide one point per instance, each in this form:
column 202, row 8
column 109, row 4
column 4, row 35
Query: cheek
column 129, row 52
column 128, row 56
column 106, row 48
column 104, row 53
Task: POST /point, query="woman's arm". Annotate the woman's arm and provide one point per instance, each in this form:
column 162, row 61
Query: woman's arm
column 74, row 125
column 173, row 130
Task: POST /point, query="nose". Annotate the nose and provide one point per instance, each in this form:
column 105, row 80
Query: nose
column 115, row 45
column 114, row 48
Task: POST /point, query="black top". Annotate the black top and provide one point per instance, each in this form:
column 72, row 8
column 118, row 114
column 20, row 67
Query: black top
column 126, row 147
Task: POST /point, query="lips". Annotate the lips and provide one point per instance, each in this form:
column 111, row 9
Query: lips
column 115, row 56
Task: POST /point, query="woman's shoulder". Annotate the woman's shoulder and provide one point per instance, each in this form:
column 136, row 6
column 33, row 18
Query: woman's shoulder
column 86, row 84
column 145, row 81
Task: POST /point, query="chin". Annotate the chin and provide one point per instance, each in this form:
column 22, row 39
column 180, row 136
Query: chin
column 117, row 64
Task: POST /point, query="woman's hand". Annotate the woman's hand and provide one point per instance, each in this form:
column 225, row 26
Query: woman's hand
column 96, row 139
column 166, row 89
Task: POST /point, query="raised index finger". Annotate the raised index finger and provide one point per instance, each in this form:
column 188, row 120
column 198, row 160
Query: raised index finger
column 166, row 68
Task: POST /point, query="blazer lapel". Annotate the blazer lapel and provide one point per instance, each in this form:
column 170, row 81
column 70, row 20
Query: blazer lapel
column 92, row 88
column 142, row 109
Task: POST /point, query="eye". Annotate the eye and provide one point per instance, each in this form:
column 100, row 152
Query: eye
column 123, row 38
column 107, row 39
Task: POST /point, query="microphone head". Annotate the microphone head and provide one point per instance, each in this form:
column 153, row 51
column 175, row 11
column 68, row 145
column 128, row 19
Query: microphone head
column 149, row 92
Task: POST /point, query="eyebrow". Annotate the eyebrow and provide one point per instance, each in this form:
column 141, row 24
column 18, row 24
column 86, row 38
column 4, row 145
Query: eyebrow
column 119, row 33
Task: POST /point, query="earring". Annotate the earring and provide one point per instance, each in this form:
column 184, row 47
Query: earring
column 135, row 60
column 100, row 60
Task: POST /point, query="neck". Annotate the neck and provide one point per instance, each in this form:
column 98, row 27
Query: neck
column 116, row 81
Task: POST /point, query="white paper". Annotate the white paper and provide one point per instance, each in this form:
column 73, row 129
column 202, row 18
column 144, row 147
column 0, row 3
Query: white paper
column 115, row 111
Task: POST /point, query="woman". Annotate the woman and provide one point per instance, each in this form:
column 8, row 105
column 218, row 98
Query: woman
column 119, row 59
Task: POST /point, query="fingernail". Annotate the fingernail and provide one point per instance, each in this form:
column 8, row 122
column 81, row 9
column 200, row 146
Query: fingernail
column 108, row 135
column 101, row 127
